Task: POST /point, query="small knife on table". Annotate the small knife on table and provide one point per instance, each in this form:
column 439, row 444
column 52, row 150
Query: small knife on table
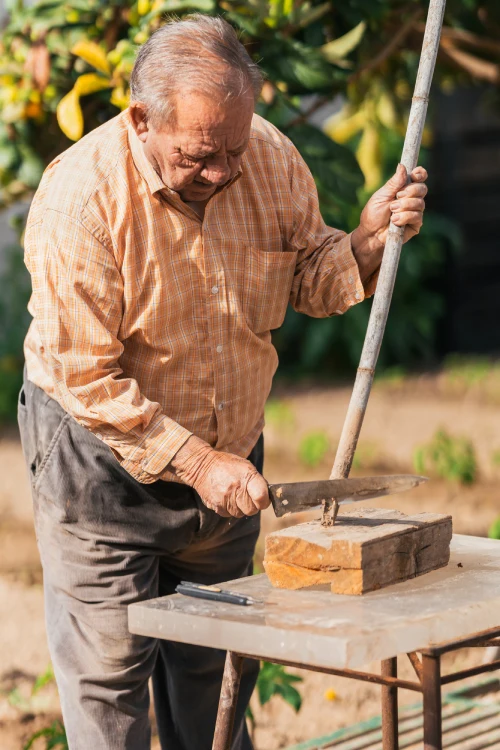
column 214, row 593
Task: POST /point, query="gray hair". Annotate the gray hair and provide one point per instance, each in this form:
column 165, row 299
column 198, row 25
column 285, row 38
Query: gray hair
column 198, row 53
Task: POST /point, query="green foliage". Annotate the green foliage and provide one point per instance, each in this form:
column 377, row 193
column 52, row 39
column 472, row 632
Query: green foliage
column 366, row 456
column 55, row 737
column 448, row 457
column 466, row 371
column 65, row 67
column 494, row 530
column 43, row 679
column 274, row 680
column 313, row 448
column 14, row 317
column 279, row 414
column 394, row 377
column 495, row 459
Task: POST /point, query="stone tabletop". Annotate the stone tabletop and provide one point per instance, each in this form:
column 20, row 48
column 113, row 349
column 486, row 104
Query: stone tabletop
column 317, row 628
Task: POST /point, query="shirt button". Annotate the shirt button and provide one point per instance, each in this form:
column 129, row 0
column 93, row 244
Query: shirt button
column 219, row 348
column 220, row 407
column 215, row 289
column 350, row 279
column 98, row 435
column 145, row 462
column 357, row 295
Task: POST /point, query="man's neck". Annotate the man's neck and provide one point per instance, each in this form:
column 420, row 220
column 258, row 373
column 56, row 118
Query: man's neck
column 198, row 207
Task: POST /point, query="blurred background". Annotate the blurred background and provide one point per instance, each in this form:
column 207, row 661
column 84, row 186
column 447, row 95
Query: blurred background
column 339, row 81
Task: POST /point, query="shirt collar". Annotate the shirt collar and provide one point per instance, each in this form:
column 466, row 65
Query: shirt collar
column 151, row 176
column 143, row 165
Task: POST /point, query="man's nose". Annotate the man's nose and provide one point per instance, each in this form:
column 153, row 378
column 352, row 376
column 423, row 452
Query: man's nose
column 216, row 171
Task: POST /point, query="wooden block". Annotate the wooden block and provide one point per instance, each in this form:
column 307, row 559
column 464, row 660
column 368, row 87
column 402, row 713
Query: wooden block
column 286, row 576
column 365, row 550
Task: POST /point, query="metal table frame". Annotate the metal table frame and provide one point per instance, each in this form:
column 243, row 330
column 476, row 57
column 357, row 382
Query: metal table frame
column 427, row 668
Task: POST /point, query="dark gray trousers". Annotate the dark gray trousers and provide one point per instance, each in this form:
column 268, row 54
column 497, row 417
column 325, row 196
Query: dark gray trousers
column 105, row 542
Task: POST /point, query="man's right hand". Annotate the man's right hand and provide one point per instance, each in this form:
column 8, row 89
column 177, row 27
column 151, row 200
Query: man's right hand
column 227, row 484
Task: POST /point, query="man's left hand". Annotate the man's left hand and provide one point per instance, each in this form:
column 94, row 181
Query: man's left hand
column 403, row 204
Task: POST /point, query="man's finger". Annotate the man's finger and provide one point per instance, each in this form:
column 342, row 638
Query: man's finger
column 408, row 204
column 407, row 217
column 259, row 492
column 415, row 190
column 396, row 182
column 243, row 499
column 419, row 174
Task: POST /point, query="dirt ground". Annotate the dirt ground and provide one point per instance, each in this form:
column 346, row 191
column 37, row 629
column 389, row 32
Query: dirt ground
column 398, row 420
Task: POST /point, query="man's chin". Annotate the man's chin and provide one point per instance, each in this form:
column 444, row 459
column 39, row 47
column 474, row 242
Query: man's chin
column 197, row 193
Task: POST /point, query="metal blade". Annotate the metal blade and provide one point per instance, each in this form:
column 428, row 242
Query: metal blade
column 300, row 496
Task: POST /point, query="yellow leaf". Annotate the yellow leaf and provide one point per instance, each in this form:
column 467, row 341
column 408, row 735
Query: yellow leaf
column 340, row 48
column 89, row 83
column 369, row 157
column 70, row 116
column 69, row 112
column 120, row 98
column 386, row 112
column 92, row 54
column 341, row 128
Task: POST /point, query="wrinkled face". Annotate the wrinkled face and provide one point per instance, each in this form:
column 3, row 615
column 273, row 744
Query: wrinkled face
column 201, row 149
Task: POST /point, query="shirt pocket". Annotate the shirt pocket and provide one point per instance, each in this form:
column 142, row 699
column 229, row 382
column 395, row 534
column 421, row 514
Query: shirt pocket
column 267, row 285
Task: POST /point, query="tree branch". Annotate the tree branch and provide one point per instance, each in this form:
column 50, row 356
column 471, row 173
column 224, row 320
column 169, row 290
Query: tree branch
column 391, row 47
column 466, row 37
column 475, row 66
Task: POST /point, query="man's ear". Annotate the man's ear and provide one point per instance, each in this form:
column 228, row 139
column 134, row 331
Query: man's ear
column 139, row 120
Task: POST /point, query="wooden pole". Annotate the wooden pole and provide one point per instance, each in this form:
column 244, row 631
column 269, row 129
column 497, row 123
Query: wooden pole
column 387, row 276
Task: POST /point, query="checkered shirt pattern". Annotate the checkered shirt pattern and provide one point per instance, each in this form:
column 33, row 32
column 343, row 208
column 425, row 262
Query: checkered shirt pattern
column 149, row 324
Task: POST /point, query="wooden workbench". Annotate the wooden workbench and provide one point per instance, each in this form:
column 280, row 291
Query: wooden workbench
column 314, row 629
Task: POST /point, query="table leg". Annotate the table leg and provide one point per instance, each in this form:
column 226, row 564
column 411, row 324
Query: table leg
column 390, row 735
column 431, row 688
column 227, row 702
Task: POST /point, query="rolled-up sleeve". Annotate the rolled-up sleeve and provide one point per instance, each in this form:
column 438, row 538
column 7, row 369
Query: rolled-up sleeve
column 78, row 302
column 326, row 280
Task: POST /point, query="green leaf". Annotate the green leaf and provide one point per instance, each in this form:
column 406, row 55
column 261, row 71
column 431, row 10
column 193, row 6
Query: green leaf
column 494, row 530
column 55, row 736
column 176, row 6
column 341, row 47
column 8, row 156
column 291, row 696
column 303, row 68
column 31, row 169
column 334, row 167
column 43, row 679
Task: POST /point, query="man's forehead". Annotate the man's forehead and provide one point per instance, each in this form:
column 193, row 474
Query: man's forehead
column 209, row 122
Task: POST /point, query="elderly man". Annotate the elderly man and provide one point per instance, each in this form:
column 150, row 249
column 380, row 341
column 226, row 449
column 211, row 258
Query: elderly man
column 163, row 248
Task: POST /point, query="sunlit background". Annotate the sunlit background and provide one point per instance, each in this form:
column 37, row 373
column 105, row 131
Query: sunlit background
column 339, row 80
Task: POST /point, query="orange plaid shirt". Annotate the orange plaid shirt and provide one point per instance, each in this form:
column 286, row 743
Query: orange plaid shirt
column 150, row 324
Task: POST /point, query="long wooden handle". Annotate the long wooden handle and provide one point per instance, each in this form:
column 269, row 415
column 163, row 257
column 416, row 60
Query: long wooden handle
column 394, row 242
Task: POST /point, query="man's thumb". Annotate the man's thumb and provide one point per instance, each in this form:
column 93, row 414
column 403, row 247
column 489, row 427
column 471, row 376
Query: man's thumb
column 397, row 182
column 258, row 490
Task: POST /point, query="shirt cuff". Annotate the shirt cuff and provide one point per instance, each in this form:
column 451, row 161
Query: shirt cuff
column 352, row 291
column 155, row 451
